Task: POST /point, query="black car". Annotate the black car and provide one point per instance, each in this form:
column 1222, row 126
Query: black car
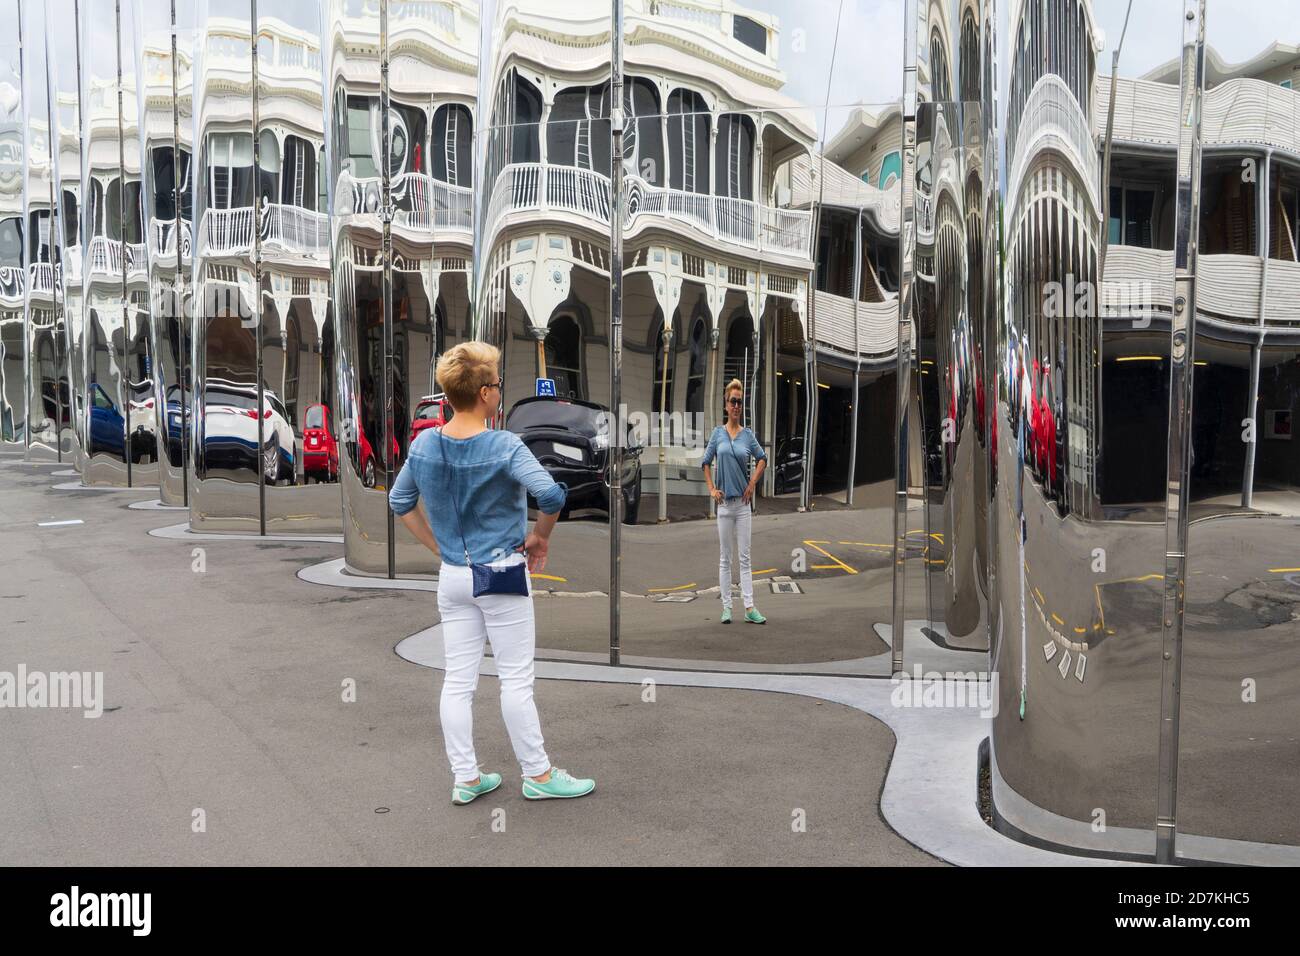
column 570, row 438
column 789, row 465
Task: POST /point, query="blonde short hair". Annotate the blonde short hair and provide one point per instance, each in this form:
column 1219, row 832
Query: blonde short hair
column 464, row 369
column 733, row 384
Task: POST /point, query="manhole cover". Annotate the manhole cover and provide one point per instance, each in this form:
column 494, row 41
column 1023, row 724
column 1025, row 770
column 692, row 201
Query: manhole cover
column 674, row 598
column 785, row 587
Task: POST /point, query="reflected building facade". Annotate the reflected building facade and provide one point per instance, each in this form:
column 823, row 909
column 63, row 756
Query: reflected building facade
column 236, row 236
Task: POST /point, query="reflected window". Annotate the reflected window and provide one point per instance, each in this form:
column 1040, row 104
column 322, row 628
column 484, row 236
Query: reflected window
column 734, row 172
column 643, row 142
column 577, row 131
column 688, row 142
column 450, row 154
column 1131, row 209
column 71, row 227
column 699, row 353
column 230, row 170
column 356, row 146
column 563, row 349
column 298, row 176
column 11, row 242
column 268, row 173
column 749, row 32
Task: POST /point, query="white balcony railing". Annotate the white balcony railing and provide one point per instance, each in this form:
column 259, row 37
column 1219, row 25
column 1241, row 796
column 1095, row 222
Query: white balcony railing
column 1137, row 280
column 876, row 334
column 227, row 231
column 162, row 237
column 42, row 278
column 105, row 257
column 426, row 204
column 534, row 187
column 1053, row 119
column 1242, row 111
column 295, row 229
column 285, row 227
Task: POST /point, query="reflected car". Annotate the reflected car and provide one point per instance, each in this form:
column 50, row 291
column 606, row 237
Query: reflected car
column 230, row 412
column 141, row 422
column 788, row 465
column 107, row 426
column 177, row 408
column 434, row 411
column 320, row 452
column 570, row 438
column 369, row 463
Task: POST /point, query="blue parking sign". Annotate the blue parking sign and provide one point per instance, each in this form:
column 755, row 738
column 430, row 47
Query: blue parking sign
column 546, row 386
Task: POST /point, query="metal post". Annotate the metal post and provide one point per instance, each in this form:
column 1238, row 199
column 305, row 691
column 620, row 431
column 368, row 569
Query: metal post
column 616, row 440
column 182, row 314
column 667, row 335
column 257, row 277
column 907, row 253
column 121, row 206
column 386, row 219
column 1110, row 136
column 55, row 245
column 1182, row 342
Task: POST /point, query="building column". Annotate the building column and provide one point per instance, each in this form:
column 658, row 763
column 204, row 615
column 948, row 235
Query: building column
column 1262, row 239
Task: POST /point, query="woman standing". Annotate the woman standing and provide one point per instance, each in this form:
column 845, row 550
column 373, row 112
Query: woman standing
column 732, row 445
column 463, row 493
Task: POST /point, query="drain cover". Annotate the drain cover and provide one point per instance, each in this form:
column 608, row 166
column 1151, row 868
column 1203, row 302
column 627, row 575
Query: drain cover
column 785, row 586
column 682, row 598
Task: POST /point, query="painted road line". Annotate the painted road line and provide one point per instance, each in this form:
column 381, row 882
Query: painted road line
column 680, row 587
column 1283, row 570
column 58, row 524
column 838, row 563
column 549, row 577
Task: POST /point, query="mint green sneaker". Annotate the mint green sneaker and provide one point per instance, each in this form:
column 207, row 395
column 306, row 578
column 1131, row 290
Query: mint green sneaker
column 561, row 786
column 463, row 793
column 753, row 617
column 726, row 615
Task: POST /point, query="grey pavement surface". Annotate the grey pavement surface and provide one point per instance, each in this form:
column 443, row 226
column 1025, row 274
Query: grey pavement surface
column 224, row 694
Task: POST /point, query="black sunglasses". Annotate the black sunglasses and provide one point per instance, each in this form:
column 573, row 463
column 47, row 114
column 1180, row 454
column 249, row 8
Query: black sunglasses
column 735, row 401
column 497, row 384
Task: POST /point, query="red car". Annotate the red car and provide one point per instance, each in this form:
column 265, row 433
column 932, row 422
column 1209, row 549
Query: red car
column 320, row 452
column 434, row 411
column 370, row 466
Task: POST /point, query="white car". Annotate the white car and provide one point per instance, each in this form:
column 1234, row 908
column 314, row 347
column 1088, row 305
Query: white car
column 230, row 430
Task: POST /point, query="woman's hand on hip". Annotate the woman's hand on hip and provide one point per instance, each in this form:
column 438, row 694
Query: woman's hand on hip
column 536, row 547
column 717, row 495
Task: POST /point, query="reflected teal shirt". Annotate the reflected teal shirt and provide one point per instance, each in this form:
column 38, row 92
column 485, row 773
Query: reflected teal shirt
column 491, row 475
column 731, row 475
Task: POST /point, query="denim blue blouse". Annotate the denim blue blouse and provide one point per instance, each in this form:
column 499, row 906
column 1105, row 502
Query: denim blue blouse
column 491, row 475
column 731, row 476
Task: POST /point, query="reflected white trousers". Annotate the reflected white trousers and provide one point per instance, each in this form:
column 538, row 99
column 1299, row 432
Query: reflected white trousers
column 506, row 620
column 734, row 522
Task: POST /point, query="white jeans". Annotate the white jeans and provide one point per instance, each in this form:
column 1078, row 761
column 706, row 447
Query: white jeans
column 734, row 521
column 507, row 621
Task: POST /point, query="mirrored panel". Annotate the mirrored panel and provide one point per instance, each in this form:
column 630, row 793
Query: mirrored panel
column 545, row 261
column 760, row 312
column 1081, row 415
column 402, row 287
column 241, row 434
column 1237, row 749
column 105, row 259
column 165, row 128
column 47, row 381
column 142, row 436
column 13, row 272
column 297, row 336
column 64, row 72
column 947, row 536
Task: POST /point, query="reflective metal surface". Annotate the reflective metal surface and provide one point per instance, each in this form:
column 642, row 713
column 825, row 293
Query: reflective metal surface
column 13, row 272
column 959, row 279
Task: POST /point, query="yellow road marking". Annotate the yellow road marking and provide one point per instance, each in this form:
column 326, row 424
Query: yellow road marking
column 680, row 587
column 1057, row 619
column 765, row 571
column 1283, row 570
column 551, row 577
column 838, row 563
